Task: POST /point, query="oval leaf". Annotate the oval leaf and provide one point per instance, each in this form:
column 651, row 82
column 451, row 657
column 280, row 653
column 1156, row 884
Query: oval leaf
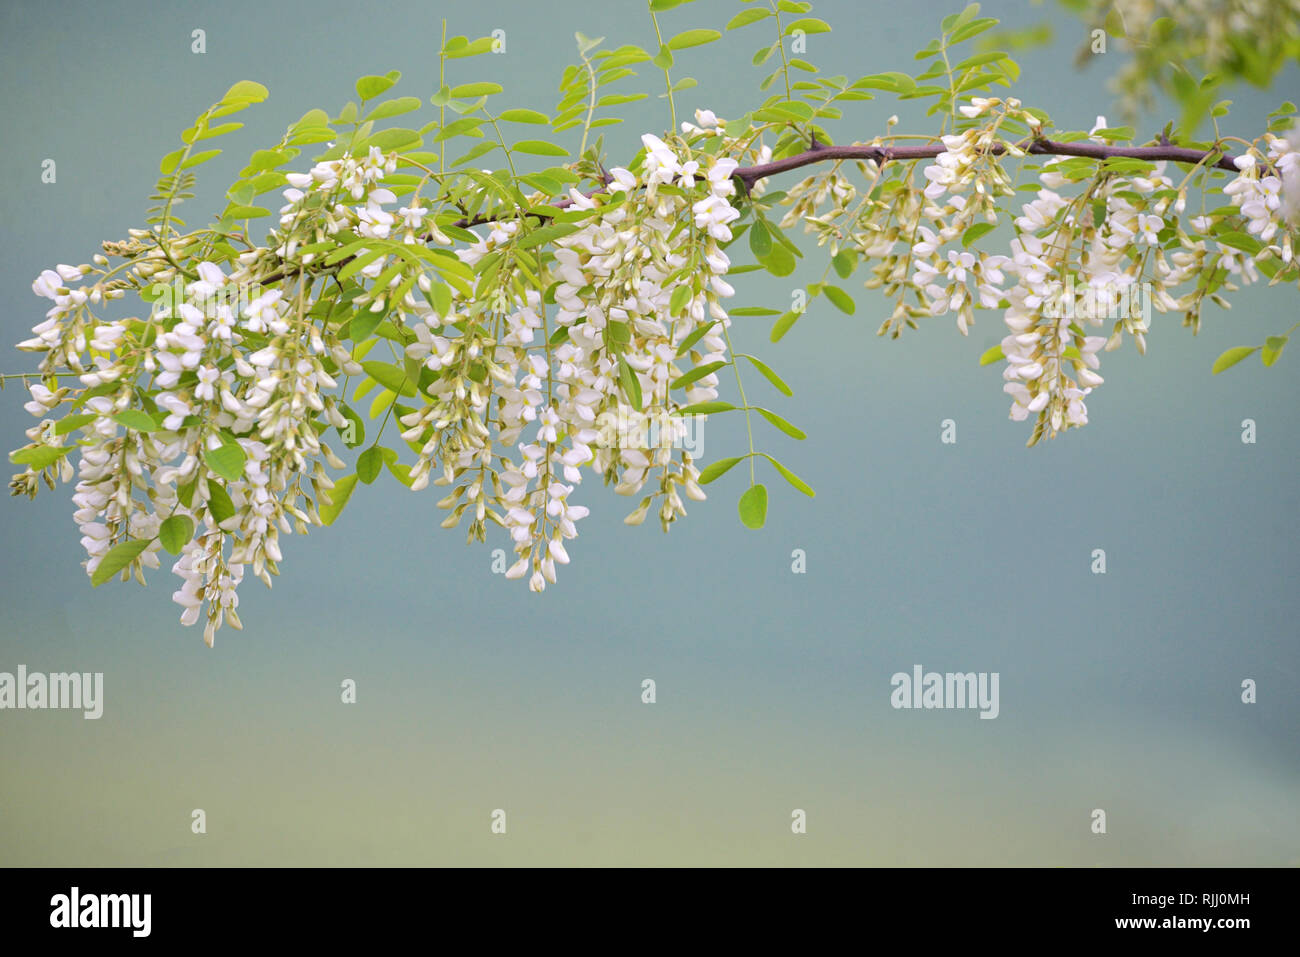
column 753, row 506
column 226, row 461
column 176, row 532
column 693, row 38
column 539, row 148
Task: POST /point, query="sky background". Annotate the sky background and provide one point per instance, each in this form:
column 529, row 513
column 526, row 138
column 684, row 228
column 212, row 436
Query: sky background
column 1118, row 691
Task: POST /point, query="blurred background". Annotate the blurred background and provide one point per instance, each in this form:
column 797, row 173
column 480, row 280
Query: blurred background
column 1119, row 691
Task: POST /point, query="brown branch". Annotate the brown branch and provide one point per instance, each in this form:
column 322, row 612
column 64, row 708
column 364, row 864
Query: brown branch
column 820, row 153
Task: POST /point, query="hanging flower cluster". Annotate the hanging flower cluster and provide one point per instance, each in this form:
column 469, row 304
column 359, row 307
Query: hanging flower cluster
column 1082, row 270
column 580, row 394
column 203, row 423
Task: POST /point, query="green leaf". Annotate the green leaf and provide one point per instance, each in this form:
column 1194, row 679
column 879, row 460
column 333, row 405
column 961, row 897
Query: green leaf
column 808, row 25
column 245, row 91
column 336, row 498
column 631, row 385
column 247, row 212
column 992, row 355
column 780, row 261
column 782, row 325
column 844, row 262
column 976, row 231
column 213, row 131
column 71, row 422
column 715, row 470
column 790, row 477
column 472, row 90
column 745, row 17
column 993, row 56
column 220, row 507
column 1231, row 358
column 475, row 48
column 363, row 324
column 227, row 461
column 136, row 420
column 358, row 427
column 40, row 457
column 394, row 107
column 760, row 240
column 1272, row 350
column 482, row 149
column 117, row 558
column 176, row 532
column 400, row 470
column 196, row 158
column 369, row 464
column 699, row 372
column 782, row 424
column 766, row 372
column 892, row 81
column 185, row 493
column 1238, row 240
column 753, row 506
column 706, row 408
column 539, row 148
column 693, row 38
column 168, row 164
column 523, row 116
column 390, row 377
column 394, row 138
column 618, row 99
column 974, row 28
column 681, row 296
column 840, row 299
column 369, row 87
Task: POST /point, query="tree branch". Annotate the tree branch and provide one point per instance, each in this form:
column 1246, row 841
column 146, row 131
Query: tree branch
column 819, row 153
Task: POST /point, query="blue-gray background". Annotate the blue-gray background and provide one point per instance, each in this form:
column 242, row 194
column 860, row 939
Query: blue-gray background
column 1118, row 691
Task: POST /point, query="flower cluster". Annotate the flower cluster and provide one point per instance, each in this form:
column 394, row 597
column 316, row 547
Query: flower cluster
column 202, row 424
column 545, row 384
column 1085, row 266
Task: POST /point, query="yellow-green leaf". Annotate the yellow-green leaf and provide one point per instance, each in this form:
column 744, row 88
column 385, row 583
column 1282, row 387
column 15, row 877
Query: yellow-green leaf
column 117, row 558
column 753, row 506
column 693, row 38
column 336, row 498
column 1231, row 358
